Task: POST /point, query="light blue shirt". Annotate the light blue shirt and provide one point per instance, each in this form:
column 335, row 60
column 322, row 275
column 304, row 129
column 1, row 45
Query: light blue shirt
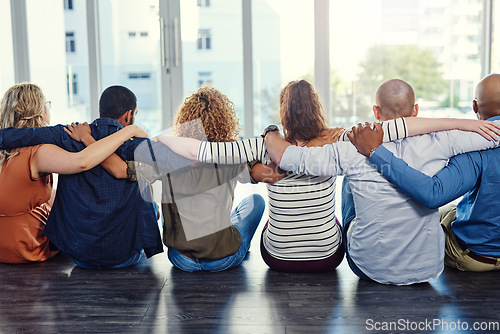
column 475, row 175
column 395, row 240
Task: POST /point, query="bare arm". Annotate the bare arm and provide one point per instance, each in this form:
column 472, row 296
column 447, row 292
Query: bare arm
column 52, row 159
column 186, row 147
column 418, row 126
column 276, row 146
column 267, row 173
column 113, row 164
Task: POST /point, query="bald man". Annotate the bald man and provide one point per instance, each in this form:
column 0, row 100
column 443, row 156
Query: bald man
column 472, row 228
column 393, row 239
column 394, row 98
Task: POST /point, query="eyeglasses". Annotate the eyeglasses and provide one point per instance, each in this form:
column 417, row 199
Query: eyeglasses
column 48, row 104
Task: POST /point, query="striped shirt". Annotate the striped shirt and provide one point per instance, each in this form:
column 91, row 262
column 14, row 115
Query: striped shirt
column 302, row 224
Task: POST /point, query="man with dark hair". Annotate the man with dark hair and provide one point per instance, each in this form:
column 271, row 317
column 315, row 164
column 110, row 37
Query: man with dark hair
column 117, row 102
column 97, row 219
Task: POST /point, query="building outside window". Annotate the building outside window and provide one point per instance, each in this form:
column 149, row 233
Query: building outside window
column 205, row 78
column 203, row 3
column 70, row 42
column 204, row 39
column 139, row 75
column 68, row 4
column 72, row 85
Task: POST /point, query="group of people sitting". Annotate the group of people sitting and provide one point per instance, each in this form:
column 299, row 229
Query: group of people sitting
column 103, row 214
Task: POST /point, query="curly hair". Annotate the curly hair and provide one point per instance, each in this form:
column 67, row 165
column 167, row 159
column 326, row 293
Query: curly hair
column 301, row 112
column 23, row 105
column 219, row 122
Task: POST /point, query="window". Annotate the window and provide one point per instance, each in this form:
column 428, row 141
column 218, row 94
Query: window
column 70, row 42
column 72, row 85
column 204, row 78
column 204, row 39
column 139, row 75
column 203, row 3
column 144, row 34
column 131, row 34
column 68, row 4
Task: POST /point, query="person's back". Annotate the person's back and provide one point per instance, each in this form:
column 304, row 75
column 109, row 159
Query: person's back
column 393, row 239
column 201, row 232
column 24, row 210
column 476, row 225
column 98, row 220
column 471, row 227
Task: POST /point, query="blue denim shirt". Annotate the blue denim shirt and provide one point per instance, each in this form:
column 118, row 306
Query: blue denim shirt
column 474, row 175
column 96, row 218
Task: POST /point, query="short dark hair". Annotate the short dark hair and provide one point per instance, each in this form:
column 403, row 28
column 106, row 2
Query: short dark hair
column 115, row 101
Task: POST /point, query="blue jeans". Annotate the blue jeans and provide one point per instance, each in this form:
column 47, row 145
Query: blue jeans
column 245, row 217
column 130, row 262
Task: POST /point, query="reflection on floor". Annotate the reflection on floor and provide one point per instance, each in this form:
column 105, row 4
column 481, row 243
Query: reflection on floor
column 153, row 297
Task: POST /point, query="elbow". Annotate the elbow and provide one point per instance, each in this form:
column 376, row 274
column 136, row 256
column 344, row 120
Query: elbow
column 83, row 165
column 429, row 203
column 193, row 155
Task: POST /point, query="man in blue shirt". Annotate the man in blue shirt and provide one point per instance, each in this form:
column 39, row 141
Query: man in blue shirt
column 472, row 228
column 97, row 219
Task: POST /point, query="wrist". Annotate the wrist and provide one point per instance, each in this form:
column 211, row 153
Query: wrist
column 270, row 128
column 88, row 140
column 371, row 152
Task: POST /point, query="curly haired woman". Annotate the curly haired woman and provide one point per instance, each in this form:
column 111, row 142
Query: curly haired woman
column 200, row 231
column 26, row 179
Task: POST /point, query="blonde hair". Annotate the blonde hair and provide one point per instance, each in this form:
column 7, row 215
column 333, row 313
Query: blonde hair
column 216, row 112
column 22, row 105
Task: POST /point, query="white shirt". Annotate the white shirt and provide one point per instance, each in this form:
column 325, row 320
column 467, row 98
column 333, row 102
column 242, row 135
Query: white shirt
column 395, row 240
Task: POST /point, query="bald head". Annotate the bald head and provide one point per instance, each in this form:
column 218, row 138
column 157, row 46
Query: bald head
column 487, row 101
column 395, row 98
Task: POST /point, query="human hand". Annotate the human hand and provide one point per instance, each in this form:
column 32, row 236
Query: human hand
column 487, row 129
column 137, row 131
column 328, row 136
column 78, row 132
column 365, row 138
column 269, row 173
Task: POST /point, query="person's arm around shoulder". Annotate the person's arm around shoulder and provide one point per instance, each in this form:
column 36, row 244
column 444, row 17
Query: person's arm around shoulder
column 113, row 164
column 183, row 146
column 11, row 138
column 269, row 173
column 458, row 177
column 316, row 161
column 52, row 159
column 418, row 126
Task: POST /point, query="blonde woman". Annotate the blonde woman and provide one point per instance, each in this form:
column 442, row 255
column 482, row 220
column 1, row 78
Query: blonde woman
column 26, row 174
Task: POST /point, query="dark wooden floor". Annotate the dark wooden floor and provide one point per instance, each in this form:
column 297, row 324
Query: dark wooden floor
column 153, row 297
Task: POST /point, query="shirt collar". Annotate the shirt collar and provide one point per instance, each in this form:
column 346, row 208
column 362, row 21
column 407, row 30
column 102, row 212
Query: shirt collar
column 494, row 118
column 106, row 126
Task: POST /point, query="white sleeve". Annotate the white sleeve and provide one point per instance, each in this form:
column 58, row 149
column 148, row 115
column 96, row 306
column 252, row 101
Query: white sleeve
column 456, row 142
column 317, row 161
column 233, row 152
